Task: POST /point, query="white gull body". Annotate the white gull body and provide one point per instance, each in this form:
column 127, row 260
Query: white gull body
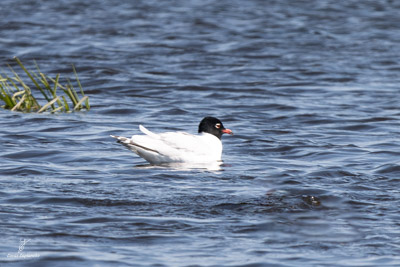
column 174, row 147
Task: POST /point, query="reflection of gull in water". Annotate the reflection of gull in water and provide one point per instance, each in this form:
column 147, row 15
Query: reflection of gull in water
column 180, row 147
column 186, row 166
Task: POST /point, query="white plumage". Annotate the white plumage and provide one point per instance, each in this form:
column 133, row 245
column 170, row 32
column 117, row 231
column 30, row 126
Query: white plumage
column 174, row 146
column 171, row 147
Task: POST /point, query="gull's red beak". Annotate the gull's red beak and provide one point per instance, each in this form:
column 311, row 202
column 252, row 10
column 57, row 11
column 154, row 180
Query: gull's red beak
column 227, row 131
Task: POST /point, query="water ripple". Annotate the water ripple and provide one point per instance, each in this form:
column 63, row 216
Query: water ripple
column 310, row 177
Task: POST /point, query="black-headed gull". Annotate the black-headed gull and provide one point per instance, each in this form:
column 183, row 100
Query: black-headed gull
column 172, row 147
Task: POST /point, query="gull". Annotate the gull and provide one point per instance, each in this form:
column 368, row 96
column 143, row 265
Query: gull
column 179, row 147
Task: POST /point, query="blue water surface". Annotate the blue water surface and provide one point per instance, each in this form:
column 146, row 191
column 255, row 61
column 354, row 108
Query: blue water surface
column 310, row 178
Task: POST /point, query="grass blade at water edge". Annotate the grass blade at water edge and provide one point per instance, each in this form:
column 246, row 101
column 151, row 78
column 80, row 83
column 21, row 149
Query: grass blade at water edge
column 18, row 95
column 6, row 98
column 66, row 106
column 77, row 106
column 16, row 107
column 81, row 89
column 48, row 104
column 32, row 78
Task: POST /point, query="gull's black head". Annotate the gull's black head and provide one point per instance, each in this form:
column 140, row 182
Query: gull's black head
column 213, row 126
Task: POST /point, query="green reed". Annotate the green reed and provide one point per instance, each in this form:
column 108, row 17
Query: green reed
column 17, row 95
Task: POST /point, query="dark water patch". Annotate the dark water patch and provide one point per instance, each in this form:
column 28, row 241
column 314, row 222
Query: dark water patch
column 55, row 129
column 333, row 174
column 22, row 200
column 53, row 260
column 90, row 202
column 358, row 127
column 389, row 153
column 174, row 111
column 389, row 169
column 19, row 171
column 118, row 111
column 363, row 187
column 316, row 120
column 29, row 154
column 193, row 88
column 253, row 228
column 378, row 119
column 292, row 182
column 339, row 80
column 95, row 220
